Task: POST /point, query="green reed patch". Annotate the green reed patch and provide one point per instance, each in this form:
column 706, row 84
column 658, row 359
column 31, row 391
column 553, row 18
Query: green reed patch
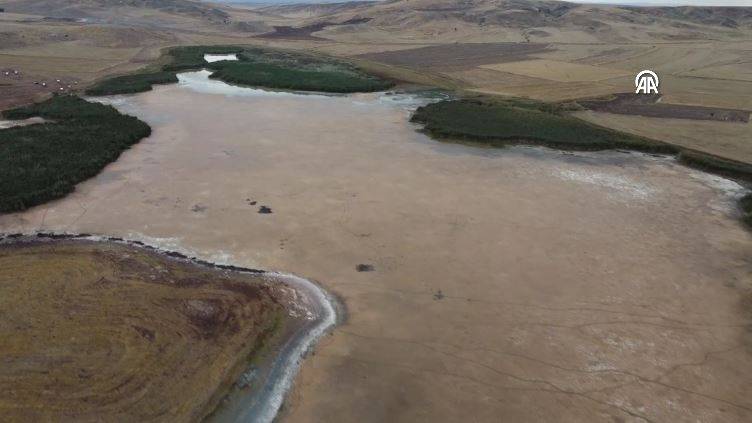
column 135, row 83
column 502, row 123
column 45, row 161
column 717, row 165
column 281, row 77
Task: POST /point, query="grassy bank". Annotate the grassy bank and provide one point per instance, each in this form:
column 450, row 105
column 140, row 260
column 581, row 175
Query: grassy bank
column 717, row 165
column 254, row 67
column 45, row 161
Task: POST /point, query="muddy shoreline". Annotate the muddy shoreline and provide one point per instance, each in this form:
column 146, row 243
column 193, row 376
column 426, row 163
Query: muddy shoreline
column 258, row 393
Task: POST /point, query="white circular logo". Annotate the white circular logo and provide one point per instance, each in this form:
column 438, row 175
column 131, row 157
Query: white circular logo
column 646, row 82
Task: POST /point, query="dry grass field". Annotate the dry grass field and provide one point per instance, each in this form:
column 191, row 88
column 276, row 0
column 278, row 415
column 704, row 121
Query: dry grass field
column 459, row 56
column 107, row 332
column 553, row 70
column 725, row 139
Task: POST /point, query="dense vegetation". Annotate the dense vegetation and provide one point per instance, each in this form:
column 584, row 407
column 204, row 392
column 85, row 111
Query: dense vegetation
column 192, row 57
column 295, row 71
column 500, row 123
column 255, row 67
column 45, row 161
column 720, row 166
column 135, row 83
column 175, row 59
column 275, row 76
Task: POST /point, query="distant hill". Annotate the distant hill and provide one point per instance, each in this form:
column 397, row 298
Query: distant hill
column 731, row 17
column 520, row 20
column 78, row 9
column 425, row 20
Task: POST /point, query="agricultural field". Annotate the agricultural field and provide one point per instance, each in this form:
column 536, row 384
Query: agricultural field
column 552, row 70
column 725, row 139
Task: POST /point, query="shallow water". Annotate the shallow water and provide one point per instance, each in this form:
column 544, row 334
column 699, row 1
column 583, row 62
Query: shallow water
column 22, row 122
column 519, row 283
column 210, row 58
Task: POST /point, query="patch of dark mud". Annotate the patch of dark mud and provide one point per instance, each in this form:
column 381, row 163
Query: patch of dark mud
column 364, row 268
column 649, row 106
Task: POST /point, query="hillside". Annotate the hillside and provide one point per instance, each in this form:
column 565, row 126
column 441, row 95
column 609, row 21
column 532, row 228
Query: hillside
column 731, row 17
column 518, row 20
column 416, row 20
column 92, row 9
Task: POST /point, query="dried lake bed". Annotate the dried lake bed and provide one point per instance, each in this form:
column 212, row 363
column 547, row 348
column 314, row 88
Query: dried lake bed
column 517, row 284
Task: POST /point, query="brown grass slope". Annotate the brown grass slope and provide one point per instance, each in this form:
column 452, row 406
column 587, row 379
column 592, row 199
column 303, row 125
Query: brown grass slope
column 607, row 23
column 94, row 8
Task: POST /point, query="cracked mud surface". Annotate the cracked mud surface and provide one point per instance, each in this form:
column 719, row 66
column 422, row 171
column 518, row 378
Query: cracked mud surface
column 601, row 287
